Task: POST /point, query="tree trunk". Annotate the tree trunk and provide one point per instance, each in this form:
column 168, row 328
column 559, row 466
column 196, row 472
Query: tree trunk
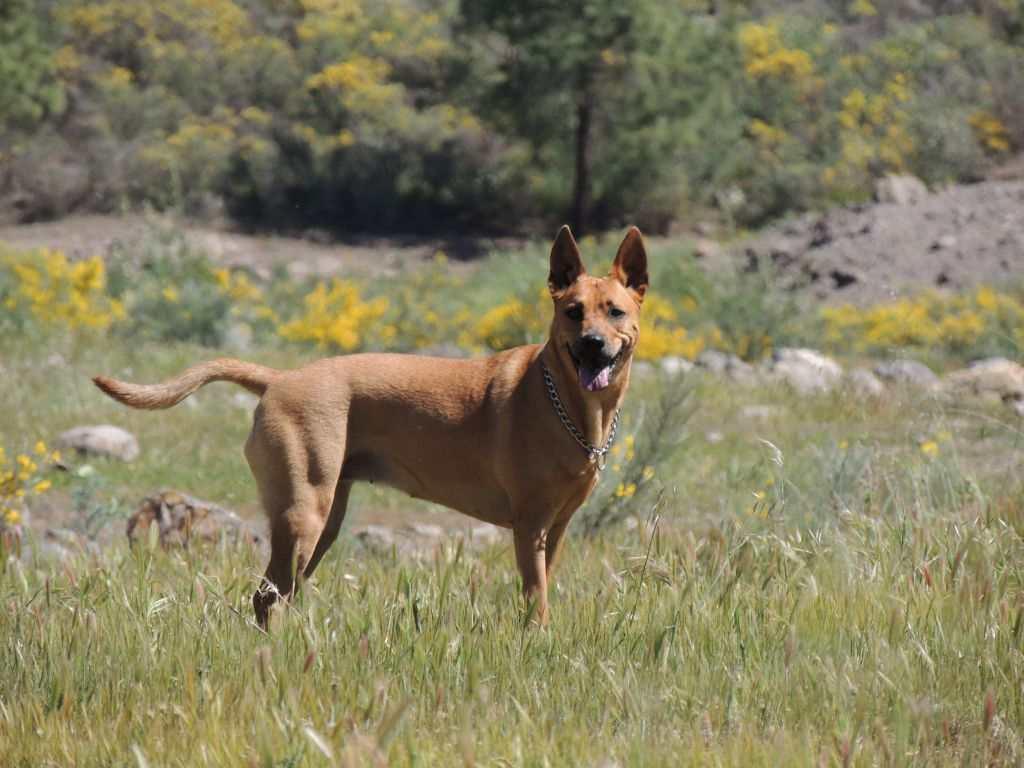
column 581, row 187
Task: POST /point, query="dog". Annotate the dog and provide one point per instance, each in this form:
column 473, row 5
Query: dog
column 516, row 439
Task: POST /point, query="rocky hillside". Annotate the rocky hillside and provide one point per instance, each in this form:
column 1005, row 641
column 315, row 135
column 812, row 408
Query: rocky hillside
column 911, row 240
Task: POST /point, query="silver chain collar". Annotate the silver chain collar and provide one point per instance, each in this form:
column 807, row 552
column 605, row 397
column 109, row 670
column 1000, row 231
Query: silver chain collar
column 596, row 455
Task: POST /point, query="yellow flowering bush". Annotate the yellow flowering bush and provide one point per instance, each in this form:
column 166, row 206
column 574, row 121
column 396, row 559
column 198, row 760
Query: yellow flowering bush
column 662, row 333
column 990, row 132
column 766, row 56
column 984, row 321
column 20, row 478
column 45, row 287
column 513, row 322
column 337, row 317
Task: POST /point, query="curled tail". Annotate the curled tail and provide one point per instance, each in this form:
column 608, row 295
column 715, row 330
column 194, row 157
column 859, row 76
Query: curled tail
column 254, row 378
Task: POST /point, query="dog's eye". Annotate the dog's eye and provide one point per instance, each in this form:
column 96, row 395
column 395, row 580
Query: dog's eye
column 575, row 313
column 616, row 312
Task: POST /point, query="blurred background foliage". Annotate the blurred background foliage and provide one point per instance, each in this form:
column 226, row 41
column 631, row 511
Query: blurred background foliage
column 423, row 116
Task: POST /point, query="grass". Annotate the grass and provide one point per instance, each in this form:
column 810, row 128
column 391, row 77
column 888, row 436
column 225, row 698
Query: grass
column 820, row 580
column 866, row 609
column 869, row 641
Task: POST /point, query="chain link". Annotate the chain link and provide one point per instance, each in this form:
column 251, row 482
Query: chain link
column 595, row 454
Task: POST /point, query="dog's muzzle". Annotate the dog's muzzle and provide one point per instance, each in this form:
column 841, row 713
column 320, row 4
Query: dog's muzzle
column 594, row 365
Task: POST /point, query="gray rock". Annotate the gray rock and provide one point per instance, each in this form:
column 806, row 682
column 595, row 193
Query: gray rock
column 377, row 538
column 900, row 190
column 100, row 440
column 805, row 370
column 675, row 366
column 908, row 372
column 865, row 384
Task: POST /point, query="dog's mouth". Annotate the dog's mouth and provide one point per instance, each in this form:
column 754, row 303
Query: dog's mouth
column 595, row 374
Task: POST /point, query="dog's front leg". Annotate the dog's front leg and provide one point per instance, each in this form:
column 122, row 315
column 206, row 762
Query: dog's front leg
column 530, row 541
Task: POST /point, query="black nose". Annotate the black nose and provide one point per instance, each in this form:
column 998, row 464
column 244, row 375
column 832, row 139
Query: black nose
column 591, row 344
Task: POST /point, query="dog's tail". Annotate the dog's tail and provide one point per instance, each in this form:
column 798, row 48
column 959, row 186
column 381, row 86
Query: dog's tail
column 254, row 378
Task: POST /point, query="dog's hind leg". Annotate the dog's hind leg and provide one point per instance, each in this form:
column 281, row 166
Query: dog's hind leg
column 297, row 486
column 330, row 531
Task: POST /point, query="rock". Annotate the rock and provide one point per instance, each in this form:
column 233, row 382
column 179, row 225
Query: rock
column 377, row 538
column 865, row 384
column 995, row 378
column 900, row 190
column 675, row 366
column 182, row 520
column 425, row 530
column 805, row 370
column 102, row 440
column 724, row 363
column 909, row 372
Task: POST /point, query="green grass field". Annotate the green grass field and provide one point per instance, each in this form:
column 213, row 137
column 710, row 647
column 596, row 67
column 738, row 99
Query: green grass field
column 825, row 581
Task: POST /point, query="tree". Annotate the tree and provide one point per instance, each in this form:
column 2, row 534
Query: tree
column 557, row 63
column 29, row 91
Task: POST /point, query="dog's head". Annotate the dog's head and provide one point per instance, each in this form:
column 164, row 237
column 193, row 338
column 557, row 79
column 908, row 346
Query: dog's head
column 597, row 319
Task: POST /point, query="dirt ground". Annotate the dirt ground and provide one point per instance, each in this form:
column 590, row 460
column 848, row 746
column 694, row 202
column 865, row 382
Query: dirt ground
column 316, row 255
column 953, row 239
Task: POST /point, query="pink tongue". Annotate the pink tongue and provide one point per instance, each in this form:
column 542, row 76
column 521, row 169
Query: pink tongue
column 595, row 380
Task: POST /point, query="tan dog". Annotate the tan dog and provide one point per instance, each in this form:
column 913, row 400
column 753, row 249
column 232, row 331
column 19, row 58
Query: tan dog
column 483, row 437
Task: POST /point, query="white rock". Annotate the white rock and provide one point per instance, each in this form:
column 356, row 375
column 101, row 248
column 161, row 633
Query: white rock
column 805, row 370
column 101, row 440
column 865, row 384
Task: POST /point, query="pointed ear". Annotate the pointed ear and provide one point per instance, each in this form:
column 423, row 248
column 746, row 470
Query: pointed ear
column 630, row 265
column 566, row 264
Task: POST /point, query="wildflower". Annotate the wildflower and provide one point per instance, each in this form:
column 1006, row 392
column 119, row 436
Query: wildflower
column 170, row 293
column 930, row 448
column 40, row 448
column 41, row 487
column 11, row 516
column 625, row 490
column 648, row 473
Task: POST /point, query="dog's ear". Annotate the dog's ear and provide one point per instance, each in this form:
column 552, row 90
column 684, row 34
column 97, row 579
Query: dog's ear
column 566, row 264
column 630, row 265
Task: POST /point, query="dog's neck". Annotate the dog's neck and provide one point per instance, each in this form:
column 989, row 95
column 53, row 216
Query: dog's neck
column 591, row 412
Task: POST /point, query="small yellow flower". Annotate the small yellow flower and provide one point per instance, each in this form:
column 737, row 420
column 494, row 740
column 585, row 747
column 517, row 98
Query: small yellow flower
column 759, row 495
column 41, row 487
column 170, row 293
column 55, row 457
column 11, row 516
column 648, row 473
column 41, row 448
column 625, row 491
column 930, row 448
